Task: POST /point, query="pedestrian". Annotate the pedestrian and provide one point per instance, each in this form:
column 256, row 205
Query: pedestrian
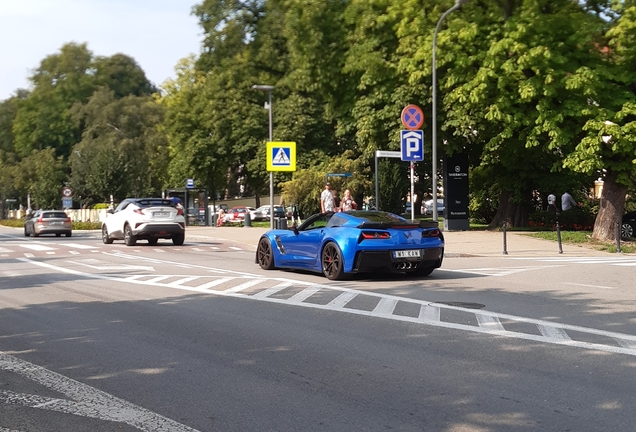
column 220, row 218
column 347, row 202
column 567, row 202
column 336, row 201
column 552, row 202
column 326, row 199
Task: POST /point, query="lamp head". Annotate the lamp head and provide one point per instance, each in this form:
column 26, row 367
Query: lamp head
column 263, row 87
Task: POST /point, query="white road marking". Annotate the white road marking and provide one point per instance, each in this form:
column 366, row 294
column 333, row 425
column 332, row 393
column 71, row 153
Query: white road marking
column 29, row 255
column 214, row 283
column 77, row 245
column 429, row 313
column 74, row 252
column 489, row 322
column 244, row 285
column 35, row 247
column 551, row 332
column 588, row 286
column 342, row 299
column 122, row 267
column 3, row 250
column 498, row 271
column 214, row 248
column 235, row 248
column 197, row 249
column 83, row 400
column 183, row 280
column 385, row 306
column 159, row 250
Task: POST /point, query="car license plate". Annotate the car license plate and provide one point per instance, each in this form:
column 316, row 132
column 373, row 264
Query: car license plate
column 414, row 253
column 56, row 223
column 161, row 214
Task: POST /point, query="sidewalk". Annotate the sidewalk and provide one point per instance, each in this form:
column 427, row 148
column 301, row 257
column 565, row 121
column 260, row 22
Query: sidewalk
column 458, row 243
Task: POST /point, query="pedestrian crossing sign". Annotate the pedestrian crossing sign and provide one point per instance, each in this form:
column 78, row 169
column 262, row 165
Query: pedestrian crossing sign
column 281, row 156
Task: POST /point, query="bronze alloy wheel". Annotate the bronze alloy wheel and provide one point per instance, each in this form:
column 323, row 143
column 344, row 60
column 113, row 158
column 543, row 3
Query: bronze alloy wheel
column 332, row 263
column 264, row 254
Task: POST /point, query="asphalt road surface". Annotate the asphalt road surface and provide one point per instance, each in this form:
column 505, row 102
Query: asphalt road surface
column 98, row 337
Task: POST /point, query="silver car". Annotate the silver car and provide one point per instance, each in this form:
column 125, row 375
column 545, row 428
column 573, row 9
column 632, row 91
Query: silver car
column 48, row 222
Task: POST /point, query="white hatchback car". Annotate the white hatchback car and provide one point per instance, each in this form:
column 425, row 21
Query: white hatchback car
column 144, row 219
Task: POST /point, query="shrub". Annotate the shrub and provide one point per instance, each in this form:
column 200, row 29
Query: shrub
column 573, row 220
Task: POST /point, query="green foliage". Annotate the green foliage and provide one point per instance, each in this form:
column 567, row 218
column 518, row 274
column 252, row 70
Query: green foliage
column 87, row 225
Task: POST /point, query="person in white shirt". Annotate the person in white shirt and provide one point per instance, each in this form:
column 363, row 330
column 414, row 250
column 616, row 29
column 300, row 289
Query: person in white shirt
column 567, row 202
column 552, row 203
column 347, row 202
column 326, row 199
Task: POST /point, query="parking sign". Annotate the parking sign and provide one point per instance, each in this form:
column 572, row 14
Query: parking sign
column 412, row 145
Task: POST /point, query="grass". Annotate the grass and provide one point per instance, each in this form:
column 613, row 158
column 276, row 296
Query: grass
column 584, row 238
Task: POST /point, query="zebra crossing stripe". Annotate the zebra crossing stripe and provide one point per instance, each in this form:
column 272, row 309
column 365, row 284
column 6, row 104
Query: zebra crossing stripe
column 385, row 306
column 304, row 294
column 245, row 285
column 429, row 313
column 271, row 291
column 553, row 332
column 489, row 322
column 342, row 299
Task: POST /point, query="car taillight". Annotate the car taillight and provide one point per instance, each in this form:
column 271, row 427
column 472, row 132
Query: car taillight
column 368, row 235
column 68, row 219
column 431, row 233
column 139, row 211
column 179, row 211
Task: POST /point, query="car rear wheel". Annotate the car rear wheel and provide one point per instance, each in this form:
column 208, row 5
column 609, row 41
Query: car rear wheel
column 265, row 254
column 26, row 232
column 178, row 239
column 105, row 237
column 627, row 231
column 152, row 241
column 332, row 263
column 129, row 238
column 69, row 234
column 58, row 235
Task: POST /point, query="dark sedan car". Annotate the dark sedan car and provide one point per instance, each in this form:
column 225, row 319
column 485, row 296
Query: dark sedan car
column 48, row 222
column 628, row 226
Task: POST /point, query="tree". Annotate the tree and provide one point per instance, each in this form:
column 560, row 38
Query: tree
column 123, row 152
column 609, row 147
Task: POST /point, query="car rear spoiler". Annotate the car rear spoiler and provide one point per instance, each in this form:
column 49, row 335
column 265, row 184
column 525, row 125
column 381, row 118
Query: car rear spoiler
column 386, row 225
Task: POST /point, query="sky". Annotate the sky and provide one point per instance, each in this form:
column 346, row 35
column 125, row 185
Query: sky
column 156, row 33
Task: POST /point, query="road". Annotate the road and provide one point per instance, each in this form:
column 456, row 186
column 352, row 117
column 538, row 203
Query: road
column 162, row 338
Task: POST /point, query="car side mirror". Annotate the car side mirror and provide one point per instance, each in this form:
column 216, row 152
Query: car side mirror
column 110, row 211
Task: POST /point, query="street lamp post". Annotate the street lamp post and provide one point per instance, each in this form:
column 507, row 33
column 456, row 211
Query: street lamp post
column 457, row 5
column 268, row 89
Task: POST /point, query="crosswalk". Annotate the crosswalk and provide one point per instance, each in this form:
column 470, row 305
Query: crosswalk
column 34, row 249
column 337, row 298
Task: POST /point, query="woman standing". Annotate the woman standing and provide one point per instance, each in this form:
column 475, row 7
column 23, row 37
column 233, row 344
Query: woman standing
column 347, row 203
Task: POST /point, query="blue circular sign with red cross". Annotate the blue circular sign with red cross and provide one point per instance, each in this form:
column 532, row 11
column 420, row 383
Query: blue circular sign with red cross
column 412, row 117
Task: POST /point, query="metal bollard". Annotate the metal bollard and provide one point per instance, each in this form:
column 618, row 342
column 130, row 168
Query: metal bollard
column 247, row 221
column 505, row 245
column 618, row 237
column 558, row 228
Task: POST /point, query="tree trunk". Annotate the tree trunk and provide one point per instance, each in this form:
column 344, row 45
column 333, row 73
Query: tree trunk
column 515, row 215
column 610, row 211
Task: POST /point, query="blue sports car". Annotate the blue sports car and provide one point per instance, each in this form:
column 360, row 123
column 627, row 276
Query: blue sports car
column 356, row 241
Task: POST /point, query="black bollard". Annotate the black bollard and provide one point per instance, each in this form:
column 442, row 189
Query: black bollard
column 559, row 236
column 505, row 245
column 618, row 237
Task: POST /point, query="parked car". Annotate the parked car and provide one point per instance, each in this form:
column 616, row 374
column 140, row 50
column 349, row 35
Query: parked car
column 48, row 222
column 144, row 219
column 336, row 244
column 237, row 214
column 427, row 208
column 628, row 225
column 262, row 213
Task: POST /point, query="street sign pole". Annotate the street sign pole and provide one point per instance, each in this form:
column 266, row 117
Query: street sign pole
column 382, row 153
column 412, row 191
